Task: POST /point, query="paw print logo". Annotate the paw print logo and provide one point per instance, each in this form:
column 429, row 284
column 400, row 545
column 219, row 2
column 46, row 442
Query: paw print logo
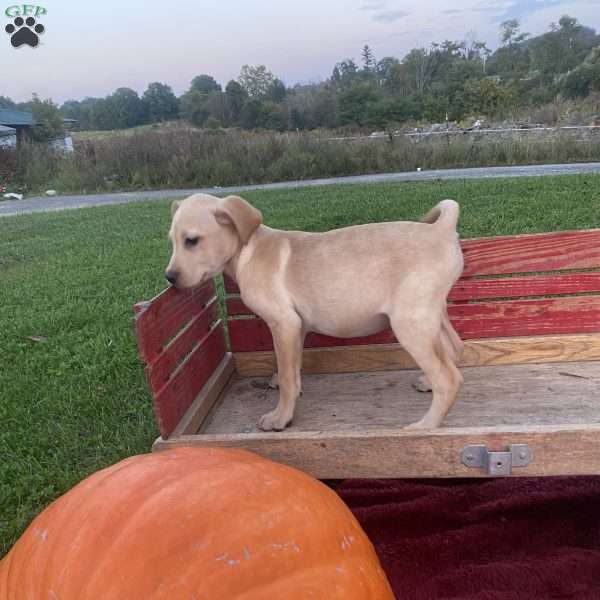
column 24, row 32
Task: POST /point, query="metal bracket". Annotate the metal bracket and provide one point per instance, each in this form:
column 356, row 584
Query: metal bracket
column 497, row 464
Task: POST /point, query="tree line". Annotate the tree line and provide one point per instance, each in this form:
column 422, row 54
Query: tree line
column 447, row 81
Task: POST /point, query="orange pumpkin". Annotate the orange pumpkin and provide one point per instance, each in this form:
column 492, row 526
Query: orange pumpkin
column 194, row 523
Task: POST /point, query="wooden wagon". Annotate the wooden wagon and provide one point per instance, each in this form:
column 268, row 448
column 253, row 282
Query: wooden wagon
column 528, row 308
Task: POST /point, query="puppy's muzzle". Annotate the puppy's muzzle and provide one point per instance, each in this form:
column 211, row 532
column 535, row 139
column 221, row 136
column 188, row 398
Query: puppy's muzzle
column 171, row 277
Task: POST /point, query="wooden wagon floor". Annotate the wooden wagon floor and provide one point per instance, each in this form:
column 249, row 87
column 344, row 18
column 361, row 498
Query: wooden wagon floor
column 545, row 394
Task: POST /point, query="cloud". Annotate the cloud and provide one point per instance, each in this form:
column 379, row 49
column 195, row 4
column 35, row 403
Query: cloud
column 452, row 11
column 389, row 16
column 373, row 6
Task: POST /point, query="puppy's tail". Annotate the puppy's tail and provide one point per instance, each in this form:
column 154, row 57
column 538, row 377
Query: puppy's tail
column 445, row 213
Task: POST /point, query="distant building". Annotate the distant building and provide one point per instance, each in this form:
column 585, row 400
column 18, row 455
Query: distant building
column 16, row 124
column 18, row 120
column 8, row 137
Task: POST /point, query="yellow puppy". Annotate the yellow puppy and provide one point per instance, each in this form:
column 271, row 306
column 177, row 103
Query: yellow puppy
column 348, row 282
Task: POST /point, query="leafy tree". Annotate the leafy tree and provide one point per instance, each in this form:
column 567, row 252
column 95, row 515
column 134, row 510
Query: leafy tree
column 356, row 102
column 581, row 81
column 161, row 102
column 129, row 108
column 512, row 59
column 344, row 73
column 276, row 92
column 368, row 58
column 216, row 105
column 561, row 49
column 257, row 81
column 81, row 111
column 6, row 102
column 387, row 111
column 486, row 96
column 71, row 109
column 251, row 115
column 510, row 33
column 103, row 114
column 205, row 84
column 420, row 65
column 272, row 116
column 235, row 98
column 48, row 120
column 324, row 112
column 384, row 69
column 194, row 107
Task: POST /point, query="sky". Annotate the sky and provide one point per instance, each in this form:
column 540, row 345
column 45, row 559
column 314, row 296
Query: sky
column 90, row 48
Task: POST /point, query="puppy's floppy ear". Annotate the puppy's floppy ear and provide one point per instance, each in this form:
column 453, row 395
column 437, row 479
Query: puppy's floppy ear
column 235, row 212
column 174, row 206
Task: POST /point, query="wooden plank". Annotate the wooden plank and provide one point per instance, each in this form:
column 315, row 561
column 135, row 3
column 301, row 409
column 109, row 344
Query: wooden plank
column 192, row 420
column 557, row 450
column 548, row 394
column 159, row 371
column 235, row 306
column 173, row 400
column 159, row 320
column 579, row 314
column 515, row 287
column 391, row 357
column 530, row 253
column 246, row 335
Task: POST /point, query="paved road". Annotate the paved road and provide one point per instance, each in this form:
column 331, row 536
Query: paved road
column 41, row 204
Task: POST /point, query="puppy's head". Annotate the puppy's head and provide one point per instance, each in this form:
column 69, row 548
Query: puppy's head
column 206, row 232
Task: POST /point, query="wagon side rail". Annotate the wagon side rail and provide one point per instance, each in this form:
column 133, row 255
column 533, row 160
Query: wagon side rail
column 182, row 343
column 522, row 298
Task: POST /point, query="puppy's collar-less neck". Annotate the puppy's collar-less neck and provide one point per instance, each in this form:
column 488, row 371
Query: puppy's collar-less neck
column 238, row 261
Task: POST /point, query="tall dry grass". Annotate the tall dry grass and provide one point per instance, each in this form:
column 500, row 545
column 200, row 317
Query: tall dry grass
column 199, row 158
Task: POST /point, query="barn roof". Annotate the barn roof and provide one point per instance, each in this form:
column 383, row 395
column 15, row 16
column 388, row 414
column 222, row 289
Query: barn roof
column 11, row 117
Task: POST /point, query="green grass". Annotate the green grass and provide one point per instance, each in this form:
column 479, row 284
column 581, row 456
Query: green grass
column 79, row 136
column 77, row 401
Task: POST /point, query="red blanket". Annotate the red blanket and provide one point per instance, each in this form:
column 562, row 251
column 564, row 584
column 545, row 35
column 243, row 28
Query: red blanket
column 500, row 539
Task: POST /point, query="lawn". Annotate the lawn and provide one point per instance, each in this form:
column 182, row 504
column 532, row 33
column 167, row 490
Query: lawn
column 73, row 399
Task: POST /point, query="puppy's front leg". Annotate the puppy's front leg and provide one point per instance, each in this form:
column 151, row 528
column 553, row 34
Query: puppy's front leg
column 288, row 341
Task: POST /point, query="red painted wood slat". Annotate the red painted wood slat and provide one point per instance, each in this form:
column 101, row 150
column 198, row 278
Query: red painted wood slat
column 479, row 320
column 172, row 401
column 522, row 287
column 231, row 287
column 560, row 250
column 578, row 314
column 236, row 306
column 159, row 371
column 160, row 319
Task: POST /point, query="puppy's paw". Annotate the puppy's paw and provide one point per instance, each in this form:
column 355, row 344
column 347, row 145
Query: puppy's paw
column 274, row 383
column 422, row 384
column 274, row 421
column 424, row 423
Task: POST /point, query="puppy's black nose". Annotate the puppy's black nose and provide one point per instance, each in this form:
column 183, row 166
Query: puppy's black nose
column 171, row 277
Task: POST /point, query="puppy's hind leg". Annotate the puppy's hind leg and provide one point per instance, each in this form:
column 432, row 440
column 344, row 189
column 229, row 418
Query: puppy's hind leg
column 453, row 345
column 423, row 340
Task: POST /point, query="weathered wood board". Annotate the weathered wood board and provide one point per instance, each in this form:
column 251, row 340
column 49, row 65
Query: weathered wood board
column 548, row 394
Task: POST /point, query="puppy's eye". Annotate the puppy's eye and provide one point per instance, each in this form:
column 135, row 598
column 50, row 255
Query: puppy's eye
column 191, row 242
